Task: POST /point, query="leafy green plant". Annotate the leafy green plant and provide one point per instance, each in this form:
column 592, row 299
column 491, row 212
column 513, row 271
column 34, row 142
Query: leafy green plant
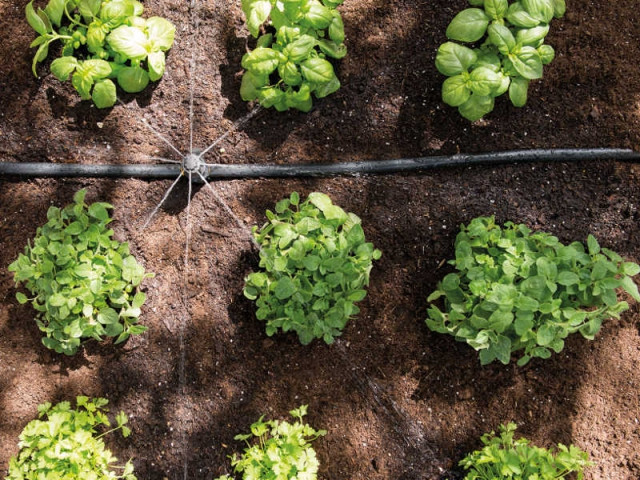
column 283, row 450
column 505, row 458
column 101, row 40
column 517, row 290
column 83, row 282
column 64, row 444
column 512, row 53
column 316, row 264
column 289, row 62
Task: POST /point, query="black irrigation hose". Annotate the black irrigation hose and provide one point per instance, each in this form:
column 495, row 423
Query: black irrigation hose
column 404, row 165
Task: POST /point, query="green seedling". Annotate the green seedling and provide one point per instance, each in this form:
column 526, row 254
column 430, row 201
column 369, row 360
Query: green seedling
column 82, row 282
column 289, row 63
column 64, row 443
column 281, row 451
column 102, row 41
column 315, row 266
column 509, row 52
column 521, row 291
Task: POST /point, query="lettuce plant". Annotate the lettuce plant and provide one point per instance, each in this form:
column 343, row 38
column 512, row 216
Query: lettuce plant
column 515, row 290
column 82, row 282
column 505, row 458
column 102, row 41
column 509, row 52
column 290, row 62
column 64, row 443
column 283, row 450
column 315, row 263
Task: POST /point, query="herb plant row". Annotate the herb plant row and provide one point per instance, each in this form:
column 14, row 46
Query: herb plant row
column 102, row 41
column 83, row 283
column 518, row 290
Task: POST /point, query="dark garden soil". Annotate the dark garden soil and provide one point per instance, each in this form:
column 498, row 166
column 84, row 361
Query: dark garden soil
column 398, row 401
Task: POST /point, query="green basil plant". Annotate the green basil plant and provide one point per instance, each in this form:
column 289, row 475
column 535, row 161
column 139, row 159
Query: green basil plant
column 508, row 53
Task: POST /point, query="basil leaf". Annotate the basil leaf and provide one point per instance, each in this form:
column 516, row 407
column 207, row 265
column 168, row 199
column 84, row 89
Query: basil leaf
column 104, row 94
column 336, row 28
column 502, row 38
column 559, row 8
column 455, row 91
column 290, row 73
column 129, row 41
column 300, row 48
column 332, row 49
column 251, row 83
column 476, row 107
column 532, row 36
column 55, row 10
column 261, row 61
column 34, row 20
column 483, row 81
column 156, row 62
column 527, row 63
column 257, row 12
column 317, row 70
column 518, row 16
column 63, row 67
column 547, row 54
column 161, row 33
column 133, row 79
column 543, row 10
column 328, row 88
column 453, row 59
column 518, row 91
column 469, row 25
column 496, row 9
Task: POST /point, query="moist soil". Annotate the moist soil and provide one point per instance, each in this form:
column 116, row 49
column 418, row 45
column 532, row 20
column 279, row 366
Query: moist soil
column 398, row 401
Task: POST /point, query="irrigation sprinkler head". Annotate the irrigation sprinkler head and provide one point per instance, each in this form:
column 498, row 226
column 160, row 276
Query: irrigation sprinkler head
column 194, row 164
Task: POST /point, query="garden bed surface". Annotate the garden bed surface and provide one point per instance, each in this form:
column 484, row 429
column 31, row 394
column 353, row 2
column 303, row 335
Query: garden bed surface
column 398, row 401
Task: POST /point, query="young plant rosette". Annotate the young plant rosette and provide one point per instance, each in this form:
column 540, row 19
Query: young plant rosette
column 502, row 457
column 82, row 282
column 521, row 291
column 64, row 443
column 102, row 41
column 315, row 266
column 282, row 450
column 509, row 53
column 290, row 62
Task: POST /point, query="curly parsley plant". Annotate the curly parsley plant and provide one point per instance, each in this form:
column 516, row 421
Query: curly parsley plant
column 290, row 62
column 316, row 266
column 509, row 52
column 283, row 450
column 64, row 443
column 82, row 282
column 521, row 291
column 102, row 41
column 505, row 458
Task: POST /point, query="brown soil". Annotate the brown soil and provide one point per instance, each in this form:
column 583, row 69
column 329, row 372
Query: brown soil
column 399, row 401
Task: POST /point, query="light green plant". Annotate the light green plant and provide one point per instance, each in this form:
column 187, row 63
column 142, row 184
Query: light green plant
column 315, row 263
column 282, row 451
column 83, row 283
column 102, row 41
column 289, row 64
column 504, row 458
column 64, row 444
column 515, row 290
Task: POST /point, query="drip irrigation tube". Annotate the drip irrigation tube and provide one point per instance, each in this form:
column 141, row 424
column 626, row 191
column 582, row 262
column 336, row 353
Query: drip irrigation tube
column 404, row 165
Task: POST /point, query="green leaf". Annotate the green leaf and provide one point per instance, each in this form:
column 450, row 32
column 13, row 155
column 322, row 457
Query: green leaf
column 89, row 8
column 251, row 84
column 527, row 63
column 34, row 20
column 453, row 59
column 104, row 94
column 332, row 49
column 300, row 48
column 63, row 67
column 547, row 54
column 257, row 12
column 161, row 33
column 55, row 10
column 328, row 88
column 130, row 42
column 284, row 288
column 559, row 8
column 568, row 278
column 592, row 244
column 519, row 17
column 336, row 28
column 483, row 81
column 318, row 16
column 543, row 10
column 317, row 70
column 455, row 91
column 631, row 288
column 22, row 298
column 476, row 107
column 41, row 54
column 133, row 79
column 545, row 335
column 532, row 36
column 261, row 61
column 156, row 62
column 108, row 316
column 496, row 9
column 502, row 38
column 468, row 26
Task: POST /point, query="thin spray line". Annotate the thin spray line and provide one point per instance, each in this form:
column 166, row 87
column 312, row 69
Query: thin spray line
column 166, row 195
column 233, row 127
